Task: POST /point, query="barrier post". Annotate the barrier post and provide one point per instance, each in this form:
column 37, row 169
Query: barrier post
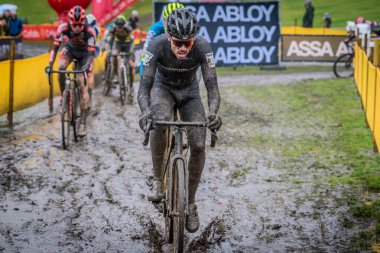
column 51, row 91
column 376, row 54
column 11, row 82
column 376, row 63
column 375, row 147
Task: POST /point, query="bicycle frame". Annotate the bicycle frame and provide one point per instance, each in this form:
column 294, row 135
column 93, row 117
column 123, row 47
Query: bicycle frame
column 176, row 200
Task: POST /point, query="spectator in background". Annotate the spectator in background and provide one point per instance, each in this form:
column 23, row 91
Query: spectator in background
column 2, row 24
column 308, row 17
column 134, row 20
column 15, row 29
column 327, row 20
column 7, row 17
column 15, row 25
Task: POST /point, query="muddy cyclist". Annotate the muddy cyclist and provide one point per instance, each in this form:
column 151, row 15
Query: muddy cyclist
column 80, row 45
column 176, row 56
column 120, row 39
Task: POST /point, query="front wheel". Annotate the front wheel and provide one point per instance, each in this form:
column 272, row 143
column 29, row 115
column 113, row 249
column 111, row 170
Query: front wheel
column 108, row 79
column 129, row 87
column 122, row 84
column 179, row 205
column 75, row 112
column 343, row 66
column 66, row 119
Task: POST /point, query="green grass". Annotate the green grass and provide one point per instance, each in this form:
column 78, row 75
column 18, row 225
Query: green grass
column 39, row 11
column 327, row 126
column 340, row 11
column 329, row 123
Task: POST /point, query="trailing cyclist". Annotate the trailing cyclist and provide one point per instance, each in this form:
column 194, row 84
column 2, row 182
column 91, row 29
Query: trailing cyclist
column 79, row 45
column 158, row 28
column 176, row 56
column 121, row 40
column 91, row 21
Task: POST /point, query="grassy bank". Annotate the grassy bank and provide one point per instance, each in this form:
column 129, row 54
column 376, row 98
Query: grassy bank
column 316, row 127
column 40, row 12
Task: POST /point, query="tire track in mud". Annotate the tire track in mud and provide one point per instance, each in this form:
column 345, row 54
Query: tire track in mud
column 93, row 196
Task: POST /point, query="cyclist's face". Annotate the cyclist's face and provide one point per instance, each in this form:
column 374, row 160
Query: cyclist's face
column 181, row 48
column 77, row 28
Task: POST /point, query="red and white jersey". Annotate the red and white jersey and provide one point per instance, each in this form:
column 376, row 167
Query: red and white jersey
column 85, row 40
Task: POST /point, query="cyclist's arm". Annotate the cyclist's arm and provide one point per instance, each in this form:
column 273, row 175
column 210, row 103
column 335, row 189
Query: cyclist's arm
column 147, row 77
column 111, row 38
column 154, row 30
column 57, row 42
column 91, row 46
column 209, row 75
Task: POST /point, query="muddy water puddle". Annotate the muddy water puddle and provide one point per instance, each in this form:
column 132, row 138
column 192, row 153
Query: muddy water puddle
column 92, row 197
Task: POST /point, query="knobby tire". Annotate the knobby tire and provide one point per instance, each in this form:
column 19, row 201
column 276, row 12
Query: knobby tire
column 179, row 205
column 108, row 79
column 129, row 89
column 66, row 119
column 122, row 85
column 75, row 112
column 343, row 66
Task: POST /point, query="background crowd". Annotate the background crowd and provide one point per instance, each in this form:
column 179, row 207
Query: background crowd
column 10, row 26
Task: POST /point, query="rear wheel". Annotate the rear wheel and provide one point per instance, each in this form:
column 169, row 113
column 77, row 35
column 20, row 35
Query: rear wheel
column 129, row 87
column 66, row 119
column 75, row 112
column 343, row 66
column 179, row 205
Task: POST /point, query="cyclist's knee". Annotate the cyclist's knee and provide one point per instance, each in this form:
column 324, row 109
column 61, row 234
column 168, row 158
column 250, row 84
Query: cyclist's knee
column 162, row 111
column 197, row 148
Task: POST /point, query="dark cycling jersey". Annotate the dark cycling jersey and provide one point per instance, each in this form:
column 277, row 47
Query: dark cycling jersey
column 123, row 35
column 178, row 73
column 168, row 82
column 84, row 42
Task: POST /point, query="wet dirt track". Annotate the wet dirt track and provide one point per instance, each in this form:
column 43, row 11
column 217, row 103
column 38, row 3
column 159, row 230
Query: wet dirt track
column 92, row 198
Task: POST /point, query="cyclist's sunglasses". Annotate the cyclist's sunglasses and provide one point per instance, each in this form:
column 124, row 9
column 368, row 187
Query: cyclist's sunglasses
column 180, row 43
column 77, row 25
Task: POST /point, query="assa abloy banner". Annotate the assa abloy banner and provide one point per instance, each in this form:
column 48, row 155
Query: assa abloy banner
column 239, row 33
column 316, row 48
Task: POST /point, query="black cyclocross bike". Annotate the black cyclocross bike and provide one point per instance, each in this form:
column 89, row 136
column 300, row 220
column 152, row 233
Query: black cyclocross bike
column 125, row 84
column 174, row 204
column 70, row 108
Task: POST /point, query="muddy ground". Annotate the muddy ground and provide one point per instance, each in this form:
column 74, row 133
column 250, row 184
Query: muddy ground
column 92, row 197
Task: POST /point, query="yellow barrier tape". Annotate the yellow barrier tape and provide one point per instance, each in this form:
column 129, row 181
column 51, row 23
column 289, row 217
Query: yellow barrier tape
column 4, row 86
column 371, row 94
column 31, row 84
column 376, row 127
column 298, row 30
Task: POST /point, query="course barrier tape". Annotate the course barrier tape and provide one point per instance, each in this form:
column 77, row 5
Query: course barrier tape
column 31, row 84
column 298, row 30
column 367, row 80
